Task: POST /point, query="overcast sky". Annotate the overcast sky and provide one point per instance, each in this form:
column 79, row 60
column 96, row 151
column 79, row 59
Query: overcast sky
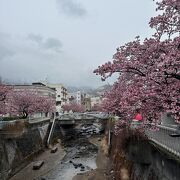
column 63, row 41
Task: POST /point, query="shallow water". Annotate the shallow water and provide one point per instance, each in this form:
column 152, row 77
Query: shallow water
column 67, row 171
column 80, row 157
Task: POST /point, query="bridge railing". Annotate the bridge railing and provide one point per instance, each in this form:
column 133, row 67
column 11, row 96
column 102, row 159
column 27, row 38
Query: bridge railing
column 77, row 116
column 166, row 137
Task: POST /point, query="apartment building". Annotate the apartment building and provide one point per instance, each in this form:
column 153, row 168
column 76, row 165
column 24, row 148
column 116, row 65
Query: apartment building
column 61, row 96
column 79, row 97
column 84, row 100
column 96, row 100
column 39, row 88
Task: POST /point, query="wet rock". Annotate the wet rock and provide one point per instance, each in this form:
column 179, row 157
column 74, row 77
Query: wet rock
column 75, row 165
column 111, row 171
column 59, row 140
column 88, row 168
column 54, row 149
column 82, row 168
column 37, row 165
column 83, row 148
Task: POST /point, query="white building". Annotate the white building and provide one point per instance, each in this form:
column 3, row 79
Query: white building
column 61, row 96
column 71, row 98
column 39, row 88
column 96, row 100
column 79, row 97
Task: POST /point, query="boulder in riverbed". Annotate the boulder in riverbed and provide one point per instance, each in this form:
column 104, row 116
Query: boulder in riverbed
column 37, row 165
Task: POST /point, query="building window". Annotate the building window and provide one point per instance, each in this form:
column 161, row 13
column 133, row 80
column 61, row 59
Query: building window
column 58, row 103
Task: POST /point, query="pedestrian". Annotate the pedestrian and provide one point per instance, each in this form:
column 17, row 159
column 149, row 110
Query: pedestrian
column 137, row 120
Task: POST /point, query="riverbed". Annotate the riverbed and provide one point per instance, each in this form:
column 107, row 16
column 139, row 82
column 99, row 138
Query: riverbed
column 78, row 157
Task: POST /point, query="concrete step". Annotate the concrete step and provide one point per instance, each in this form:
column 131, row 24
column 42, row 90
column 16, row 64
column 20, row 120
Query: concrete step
column 37, row 165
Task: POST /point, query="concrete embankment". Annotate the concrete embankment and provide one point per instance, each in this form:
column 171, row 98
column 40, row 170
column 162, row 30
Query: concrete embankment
column 77, row 153
column 134, row 157
column 17, row 149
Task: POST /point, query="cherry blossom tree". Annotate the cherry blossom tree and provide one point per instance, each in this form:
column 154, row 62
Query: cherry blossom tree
column 45, row 105
column 26, row 102
column 4, row 90
column 22, row 103
column 149, row 70
column 73, row 107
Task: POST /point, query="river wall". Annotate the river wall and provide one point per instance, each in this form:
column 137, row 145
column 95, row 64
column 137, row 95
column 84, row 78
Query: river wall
column 137, row 159
column 16, row 151
column 151, row 163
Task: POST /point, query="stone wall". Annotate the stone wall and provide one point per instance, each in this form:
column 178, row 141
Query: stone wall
column 142, row 160
column 151, row 163
column 15, row 152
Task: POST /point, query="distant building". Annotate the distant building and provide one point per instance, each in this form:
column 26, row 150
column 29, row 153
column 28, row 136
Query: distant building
column 70, row 98
column 79, row 97
column 96, row 100
column 84, row 100
column 61, row 96
column 87, row 103
column 39, row 88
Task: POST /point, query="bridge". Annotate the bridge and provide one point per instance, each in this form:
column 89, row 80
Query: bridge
column 78, row 118
column 85, row 118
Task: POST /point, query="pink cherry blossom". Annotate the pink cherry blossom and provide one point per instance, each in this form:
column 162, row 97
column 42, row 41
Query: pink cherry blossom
column 4, row 90
column 73, row 107
column 27, row 102
column 149, row 70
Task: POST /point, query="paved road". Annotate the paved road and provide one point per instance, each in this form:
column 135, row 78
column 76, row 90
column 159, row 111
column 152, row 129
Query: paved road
column 163, row 138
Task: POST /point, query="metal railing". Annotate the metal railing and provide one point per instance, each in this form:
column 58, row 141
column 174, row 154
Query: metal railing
column 79, row 116
column 167, row 137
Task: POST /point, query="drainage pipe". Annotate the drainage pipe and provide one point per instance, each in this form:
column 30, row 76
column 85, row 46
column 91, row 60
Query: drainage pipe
column 51, row 130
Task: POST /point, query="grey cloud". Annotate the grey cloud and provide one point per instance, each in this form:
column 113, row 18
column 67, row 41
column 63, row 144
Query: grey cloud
column 32, row 62
column 5, row 49
column 53, row 44
column 5, row 52
column 37, row 38
column 71, row 7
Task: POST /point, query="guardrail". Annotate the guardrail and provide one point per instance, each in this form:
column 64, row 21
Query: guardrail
column 166, row 137
column 80, row 116
column 38, row 120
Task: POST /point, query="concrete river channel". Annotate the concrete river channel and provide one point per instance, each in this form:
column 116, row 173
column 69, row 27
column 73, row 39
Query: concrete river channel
column 77, row 154
column 80, row 153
